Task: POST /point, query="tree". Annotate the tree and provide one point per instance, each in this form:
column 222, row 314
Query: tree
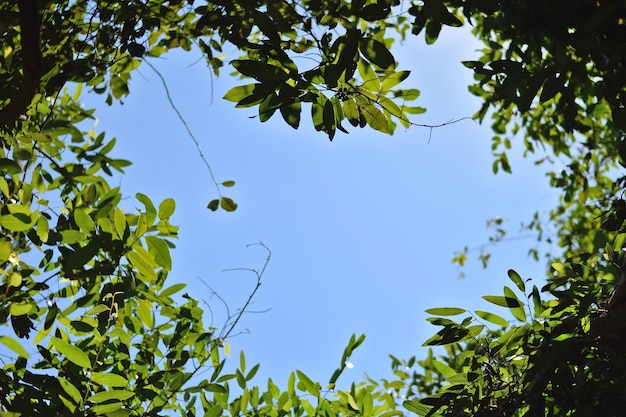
column 553, row 74
column 112, row 338
column 88, row 282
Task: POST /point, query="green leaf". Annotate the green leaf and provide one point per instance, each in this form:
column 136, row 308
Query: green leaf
column 113, row 409
column 213, row 205
column 143, row 261
column 518, row 312
column 514, row 276
column 291, row 113
column 260, row 71
column 150, row 210
column 120, row 395
column 120, row 223
column 444, row 369
column 416, row 407
column 144, row 310
column 14, row 345
column 82, row 220
column 236, row 94
column 377, row 53
column 17, row 222
column 71, row 390
column 21, row 309
column 228, row 204
column 161, row 252
column 375, row 118
column 100, row 308
column 510, row 302
column 350, row 111
column 229, row 183
column 173, row 289
column 167, row 208
column 70, row 237
column 8, row 166
column 215, row 388
column 445, row 311
column 394, row 79
column 15, row 280
column 369, row 77
column 71, row 352
column 492, row 318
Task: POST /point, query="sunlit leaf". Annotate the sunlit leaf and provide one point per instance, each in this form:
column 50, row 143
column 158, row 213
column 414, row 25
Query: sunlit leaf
column 167, row 208
column 514, row 276
column 71, row 352
column 103, row 396
column 492, row 318
column 445, row 311
column 510, row 302
column 14, row 345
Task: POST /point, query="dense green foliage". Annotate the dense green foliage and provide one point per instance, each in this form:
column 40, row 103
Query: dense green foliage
column 88, row 282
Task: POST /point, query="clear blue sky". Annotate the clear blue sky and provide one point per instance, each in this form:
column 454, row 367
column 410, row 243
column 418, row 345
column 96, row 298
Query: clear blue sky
column 362, row 229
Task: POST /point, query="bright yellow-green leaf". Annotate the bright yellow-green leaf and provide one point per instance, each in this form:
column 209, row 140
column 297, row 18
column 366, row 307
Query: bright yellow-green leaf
column 394, row 79
column 100, row 308
column 518, row 312
column 368, row 75
column 110, row 379
column 144, row 309
column 492, row 318
column 161, row 252
column 167, row 208
column 172, row 290
column 236, row 94
column 71, row 352
column 108, row 409
column 445, row 370
column 20, row 309
column 376, row 119
column 103, row 396
column 73, row 236
column 71, row 390
column 43, row 229
column 15, row 280
column 509, row 302
column 14, row 345
column 83, row 221
column 17, row 222
column 150, row 209
column 143, row 261
column 120, row 223
column 5, row 250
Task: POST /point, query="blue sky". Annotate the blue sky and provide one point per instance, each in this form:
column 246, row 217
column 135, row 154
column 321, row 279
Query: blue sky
column 362, row 229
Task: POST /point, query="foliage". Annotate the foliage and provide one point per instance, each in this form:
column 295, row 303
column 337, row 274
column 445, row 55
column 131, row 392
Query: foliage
column 553, row 74
column 333, row 56
column 88, row 281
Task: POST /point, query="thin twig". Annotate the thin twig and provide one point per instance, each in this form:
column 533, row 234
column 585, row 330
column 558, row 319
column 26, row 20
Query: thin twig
column 182, row 119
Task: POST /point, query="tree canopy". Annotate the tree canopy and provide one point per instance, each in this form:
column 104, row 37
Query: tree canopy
column 88, row 282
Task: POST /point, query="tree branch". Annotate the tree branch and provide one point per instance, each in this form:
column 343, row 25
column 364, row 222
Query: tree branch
column 32, row 67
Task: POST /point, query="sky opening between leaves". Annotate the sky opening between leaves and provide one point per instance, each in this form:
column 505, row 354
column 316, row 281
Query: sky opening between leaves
column 362, row 229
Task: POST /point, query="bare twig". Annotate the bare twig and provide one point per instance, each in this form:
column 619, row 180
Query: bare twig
column 184, row 122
